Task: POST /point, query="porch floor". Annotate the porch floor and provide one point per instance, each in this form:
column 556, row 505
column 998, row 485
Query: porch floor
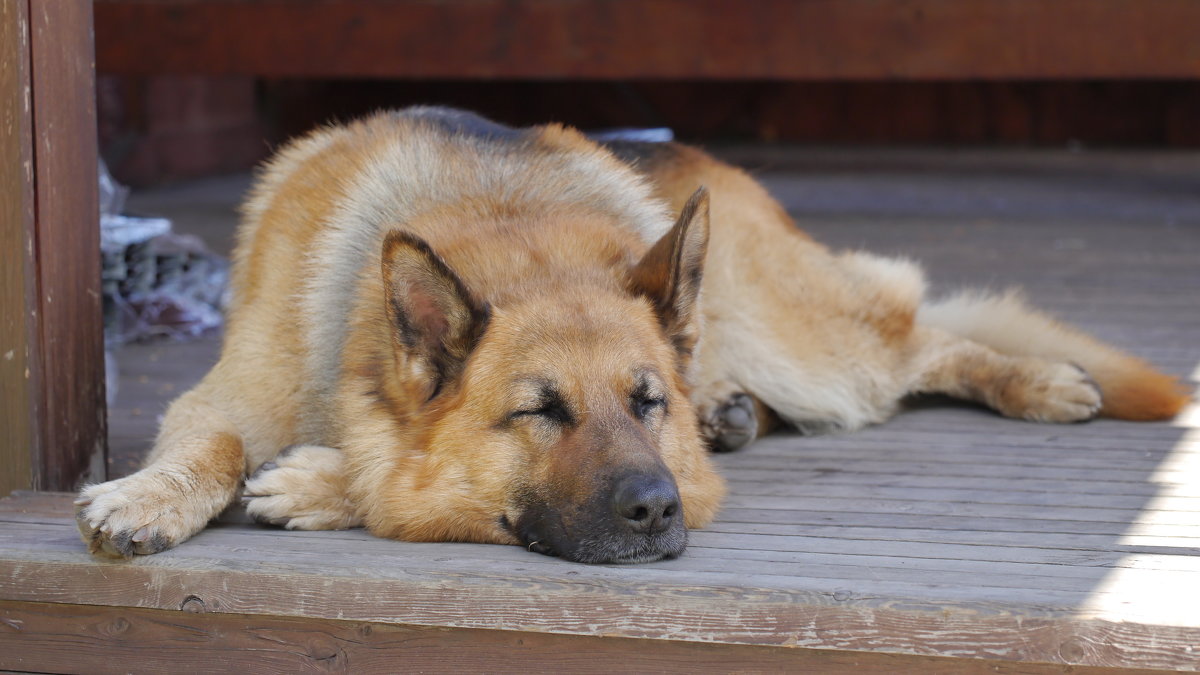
column 945, row 539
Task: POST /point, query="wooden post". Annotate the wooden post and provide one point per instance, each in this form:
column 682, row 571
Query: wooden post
column 52, row 421
column 19, row 373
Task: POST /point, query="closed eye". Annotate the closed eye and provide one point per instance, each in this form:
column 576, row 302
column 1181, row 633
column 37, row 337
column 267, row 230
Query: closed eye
column 550, row 408
column 643, row 407
column 648, row 396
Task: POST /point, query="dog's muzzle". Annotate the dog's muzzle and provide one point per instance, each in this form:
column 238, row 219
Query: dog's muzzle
column 638, row 519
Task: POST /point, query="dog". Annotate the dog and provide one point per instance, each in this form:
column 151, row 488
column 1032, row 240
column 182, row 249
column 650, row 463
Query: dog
column 447, row 329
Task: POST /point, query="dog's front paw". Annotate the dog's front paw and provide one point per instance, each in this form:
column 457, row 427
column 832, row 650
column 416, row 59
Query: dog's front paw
column 144, row 513
column 303, row 488
column 1051, row 392
column 731, row 424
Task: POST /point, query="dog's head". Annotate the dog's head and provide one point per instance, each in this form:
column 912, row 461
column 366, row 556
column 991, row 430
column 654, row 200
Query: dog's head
column 560, row 422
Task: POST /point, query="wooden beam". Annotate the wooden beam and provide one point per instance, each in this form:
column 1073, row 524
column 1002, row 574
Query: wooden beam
column 19, row 357
column 679, row 39
column 45, row 637
column 68, row 376
column 920, row 597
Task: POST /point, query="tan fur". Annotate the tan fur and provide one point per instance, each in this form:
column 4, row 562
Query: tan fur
column 409, row 288
column 786, row 327
column 1132, row 389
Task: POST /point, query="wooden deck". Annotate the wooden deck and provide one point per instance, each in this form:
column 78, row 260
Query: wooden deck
column 945, row 540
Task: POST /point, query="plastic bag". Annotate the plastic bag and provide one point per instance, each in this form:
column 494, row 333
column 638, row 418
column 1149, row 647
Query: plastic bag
column 156, row 283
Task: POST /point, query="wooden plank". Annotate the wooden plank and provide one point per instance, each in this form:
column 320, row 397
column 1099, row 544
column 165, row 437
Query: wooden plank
column 1188, row 545
column 1054, row 453
column 70, row 331
column 956, row 428
column 914, row 460
column 948, row 544
column 1016, row 486
column 1009, row 476
column 1058, row 581
column 689, row 39
column 1095, row 607
column 49, row 637
column 1147, row 580
column 1185, row 524
column 850, row 502
column 19, row 357
column 840, row 531
column 839, row 615
column 944, row 495
column 799, row 558
column 857, row 571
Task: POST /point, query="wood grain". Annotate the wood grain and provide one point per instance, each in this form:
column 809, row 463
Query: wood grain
column 533, row 606
column 705, row 39
column 954, row 113
column 71, row 412
column 1044, row 605
column 48, row 637
column 19, row 356
column 1047, row 579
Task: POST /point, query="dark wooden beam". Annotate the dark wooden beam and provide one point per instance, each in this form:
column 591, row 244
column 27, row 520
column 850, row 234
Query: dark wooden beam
column 679, row 39
column 19, row 357
column 66, row 355
column 44, row 637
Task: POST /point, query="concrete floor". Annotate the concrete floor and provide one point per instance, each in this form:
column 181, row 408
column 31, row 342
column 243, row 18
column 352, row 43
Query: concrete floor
column 1069, row 227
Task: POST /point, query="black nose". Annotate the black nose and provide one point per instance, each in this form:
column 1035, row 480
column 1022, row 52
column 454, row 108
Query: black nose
column 646, row 504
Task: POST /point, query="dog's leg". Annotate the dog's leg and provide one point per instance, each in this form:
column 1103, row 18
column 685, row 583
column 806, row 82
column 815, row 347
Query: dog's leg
column 730, row 417
column 190, row 476
column 1024, row 387
column 303, row 488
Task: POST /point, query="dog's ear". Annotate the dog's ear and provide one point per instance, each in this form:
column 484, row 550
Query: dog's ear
column 435, row 321
column 670, row 273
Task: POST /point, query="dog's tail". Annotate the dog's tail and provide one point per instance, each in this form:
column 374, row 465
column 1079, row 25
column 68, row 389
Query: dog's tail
column 1131, row 388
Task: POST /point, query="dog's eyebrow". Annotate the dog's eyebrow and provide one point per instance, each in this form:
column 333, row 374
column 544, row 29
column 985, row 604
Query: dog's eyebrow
column 537, row 382
column 543, row 388
column 647, row 382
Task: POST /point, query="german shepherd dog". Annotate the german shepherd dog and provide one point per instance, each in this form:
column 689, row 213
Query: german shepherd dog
column 445, row 329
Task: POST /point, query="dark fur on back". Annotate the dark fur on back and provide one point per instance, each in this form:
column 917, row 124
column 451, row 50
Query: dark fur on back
column 462, row 122
column 641, row 155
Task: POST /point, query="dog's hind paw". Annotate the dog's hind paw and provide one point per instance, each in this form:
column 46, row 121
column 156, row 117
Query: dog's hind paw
column 732, row 424
column 1051, row 392
column 303, row 488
